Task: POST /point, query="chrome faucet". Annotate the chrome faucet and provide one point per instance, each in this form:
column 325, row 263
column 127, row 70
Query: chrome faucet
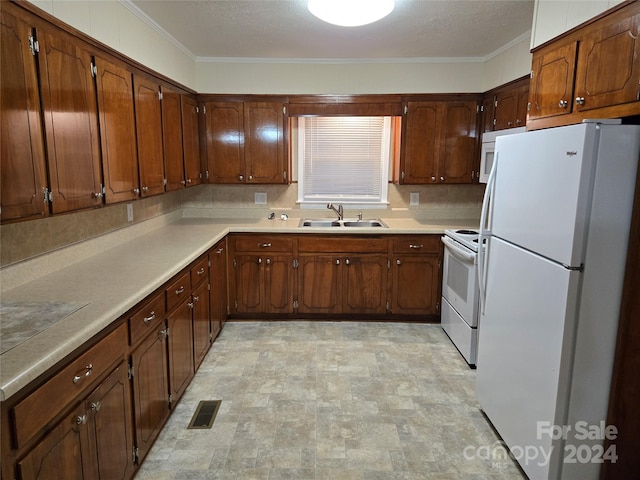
column 339, row 211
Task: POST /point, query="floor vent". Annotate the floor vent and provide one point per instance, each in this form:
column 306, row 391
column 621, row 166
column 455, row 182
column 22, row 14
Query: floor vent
column 205, row 414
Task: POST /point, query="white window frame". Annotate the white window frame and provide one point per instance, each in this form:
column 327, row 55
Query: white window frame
column 307, row 200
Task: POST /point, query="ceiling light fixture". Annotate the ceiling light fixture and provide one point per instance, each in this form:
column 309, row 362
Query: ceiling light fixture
column 350, row 13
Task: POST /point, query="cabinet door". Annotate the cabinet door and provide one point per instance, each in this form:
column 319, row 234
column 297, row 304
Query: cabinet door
column 117, row 131
column 109, row 418
column 225, row 142
column 23, row 167
column 552, row 82
column 523, row 103
column 506, row 108
column 415, row 284
column 191, row 141
column 71, row 122
column 150, row 389
column 63, row 454
column 201, row 323
column 459, row 142
column 180, row 346
column 218, row 292
column 608, row 70
column 278, row 279
column 421, row 143
column 320, row 284
column 172, row 139
column 149, row 136
column 488, row 113
column 264, row 150
column 249, row 284
column 365, row 284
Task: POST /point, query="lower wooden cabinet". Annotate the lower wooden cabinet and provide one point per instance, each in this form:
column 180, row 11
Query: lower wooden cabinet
column 180, row 346
column 218, row 287
column 201, row 323
column 94, row 440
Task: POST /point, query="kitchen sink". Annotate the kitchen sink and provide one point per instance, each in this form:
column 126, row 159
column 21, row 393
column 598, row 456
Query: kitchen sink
column 350, row 223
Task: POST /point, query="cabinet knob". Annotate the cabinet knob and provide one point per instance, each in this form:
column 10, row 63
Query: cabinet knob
column 433, row 179
column 398, row 262
column 259, row 261
column 509, row 124
column 150, row 318
column 145, row 189
column 579, row 100
column 268, row 261
column 163, row 333
column 188, row 180
column 250, row 177
column 95, row 406
column 563, row 104
column 338, row 262
column 81, row 419
column 347, row 262
column 96, row 195
column 442, row 179
column 196, row 299
column 518, row 121
column 240, row 177
column 136, row 191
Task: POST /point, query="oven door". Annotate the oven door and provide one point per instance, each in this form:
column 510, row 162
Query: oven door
column 459, row 280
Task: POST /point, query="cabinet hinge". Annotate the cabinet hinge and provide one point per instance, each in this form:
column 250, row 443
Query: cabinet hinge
column 284, row 175
column 402, row 175
column 130, row 372
column 531, row 74
column 494, row 122
column 34, row 45
column 235, row 304
column 159, row 95
column 296, row 304
column 529, row 103
column 284, row 110
column 295, row 263
column 170, row 401
column 164, row 181
column 473, row 174
column 235, row 263
column 388, row 306
column 437, row 306
column 94, row 70
column 495, row 103
column 204, row 110
column 135, row 455
column 197, row 109
column 206, row 174
column 479, row 108
column 406, row 109
column 388, row 264
column 48, row 196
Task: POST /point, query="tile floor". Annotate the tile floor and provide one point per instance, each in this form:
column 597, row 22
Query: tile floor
column 330, row 401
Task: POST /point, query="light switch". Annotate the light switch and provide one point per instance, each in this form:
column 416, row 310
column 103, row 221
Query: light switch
column 260, row 198
column 414, row 198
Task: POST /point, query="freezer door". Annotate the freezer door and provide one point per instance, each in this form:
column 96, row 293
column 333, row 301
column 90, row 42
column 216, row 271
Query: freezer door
column 542, row 190
column 524, row 350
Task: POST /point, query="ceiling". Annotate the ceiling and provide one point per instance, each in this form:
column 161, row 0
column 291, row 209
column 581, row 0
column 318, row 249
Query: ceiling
column 284, row 29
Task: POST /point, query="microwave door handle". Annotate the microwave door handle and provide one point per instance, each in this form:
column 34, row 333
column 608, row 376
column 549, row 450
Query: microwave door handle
column 484, row 233
column 458, row 252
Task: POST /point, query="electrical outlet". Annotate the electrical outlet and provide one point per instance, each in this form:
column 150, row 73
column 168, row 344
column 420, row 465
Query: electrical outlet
column 129, row 212
column 414, row 198
column 260, row 198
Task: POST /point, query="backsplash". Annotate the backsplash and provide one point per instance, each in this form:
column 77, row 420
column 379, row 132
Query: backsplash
column 25, row 240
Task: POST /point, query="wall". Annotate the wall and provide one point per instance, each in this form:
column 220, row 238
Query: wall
column 553, row 17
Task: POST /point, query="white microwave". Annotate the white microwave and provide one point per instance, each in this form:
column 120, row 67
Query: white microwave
column 489, row 148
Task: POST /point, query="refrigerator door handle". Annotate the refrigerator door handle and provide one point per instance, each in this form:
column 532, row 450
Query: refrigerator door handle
column 484, row 232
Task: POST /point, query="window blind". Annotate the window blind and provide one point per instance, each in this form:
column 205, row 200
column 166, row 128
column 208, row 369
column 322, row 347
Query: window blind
column 344, row 159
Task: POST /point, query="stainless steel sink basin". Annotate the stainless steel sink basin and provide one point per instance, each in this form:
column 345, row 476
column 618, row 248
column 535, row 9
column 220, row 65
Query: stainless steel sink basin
column 324, row 223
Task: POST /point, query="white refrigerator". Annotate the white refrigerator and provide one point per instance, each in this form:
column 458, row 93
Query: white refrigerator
column 556, row 216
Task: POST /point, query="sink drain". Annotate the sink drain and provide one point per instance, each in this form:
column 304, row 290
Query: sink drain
column 205, row 414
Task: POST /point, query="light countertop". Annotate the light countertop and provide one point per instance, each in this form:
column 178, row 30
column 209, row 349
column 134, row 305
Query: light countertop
column 109, row 283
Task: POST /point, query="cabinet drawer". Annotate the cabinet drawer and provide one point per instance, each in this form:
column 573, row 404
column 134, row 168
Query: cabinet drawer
column 341, row 244
column 263, row 243
column 146, row 319
column 178, row 290
column 199, row 272
column 416, row 244
column 35, row 411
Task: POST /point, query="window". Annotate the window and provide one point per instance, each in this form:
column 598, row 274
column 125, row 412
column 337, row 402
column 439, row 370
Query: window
column 343, row 160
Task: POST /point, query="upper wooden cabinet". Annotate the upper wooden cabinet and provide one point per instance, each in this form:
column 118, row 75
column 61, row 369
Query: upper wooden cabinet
column 23, row 178
column 71, row 122
column 190, row 141
column 591, row 72
column 245, row 142
column 149, row 136
column 439, row 142
column 172, row 139
column 117, row 131
column 506, row 106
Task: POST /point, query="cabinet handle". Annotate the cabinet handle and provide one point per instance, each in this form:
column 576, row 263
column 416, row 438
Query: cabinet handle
column 398, row 262
column 151, row 317
column 240, row 177
column 220, row 250
column 96, row 195
column 200, row 272
column 563, row 104
column 196, row 299
column 579, row 100
column 80, row 376
column 95, row 406
column 136, row 191
column 180, row 291
column 145, row 189
column 268, row 261
column 264, row 245
column 415, row 246
column 347, row 262
column 81, row 419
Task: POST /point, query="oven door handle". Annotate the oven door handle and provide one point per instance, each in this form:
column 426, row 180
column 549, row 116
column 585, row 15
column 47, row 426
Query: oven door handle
column 459, row 252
